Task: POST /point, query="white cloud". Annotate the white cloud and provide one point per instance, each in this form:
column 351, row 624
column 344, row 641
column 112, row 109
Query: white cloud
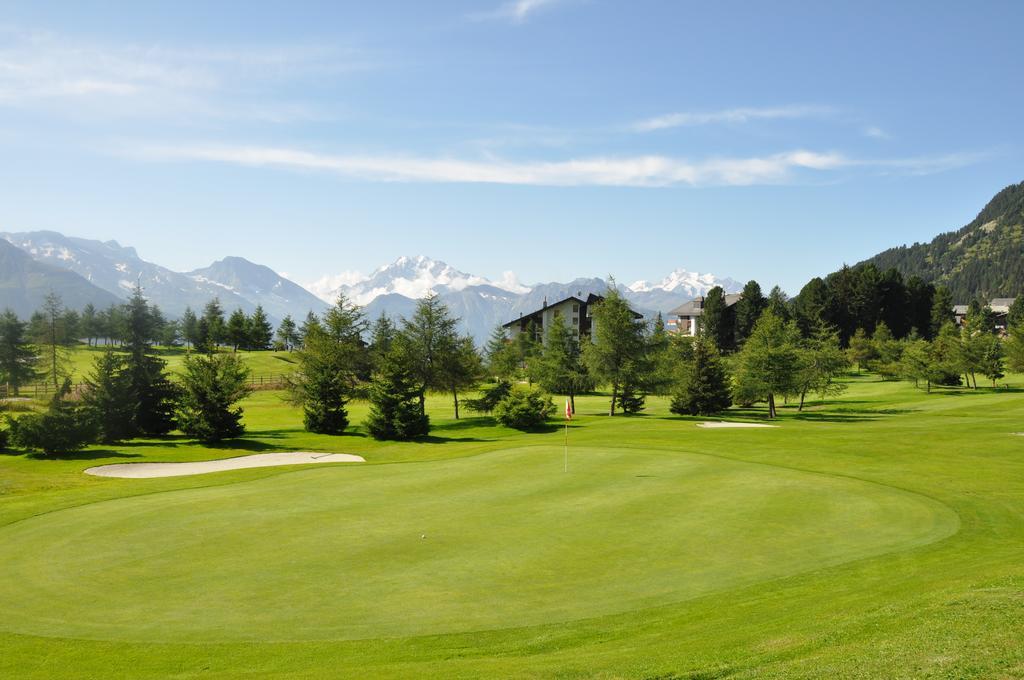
column 738, row 115
column 47, row 71
column 632, row 171
column 516, row 11
column 875, row 132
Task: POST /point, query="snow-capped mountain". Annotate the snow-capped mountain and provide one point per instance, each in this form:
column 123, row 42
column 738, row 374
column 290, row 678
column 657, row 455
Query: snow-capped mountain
column 117, row 269
column 411, row 277
column 482, row 304
column 25, row 283
column 260, row 285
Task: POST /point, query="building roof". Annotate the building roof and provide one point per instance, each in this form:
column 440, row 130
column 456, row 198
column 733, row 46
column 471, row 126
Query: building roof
column 1001, row 304
column 591, row 299
column 695, row 307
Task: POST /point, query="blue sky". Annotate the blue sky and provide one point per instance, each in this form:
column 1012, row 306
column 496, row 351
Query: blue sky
column 550, row 138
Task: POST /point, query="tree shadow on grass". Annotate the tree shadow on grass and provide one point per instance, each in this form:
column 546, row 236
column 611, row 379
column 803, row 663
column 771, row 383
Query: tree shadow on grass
column 91, row 454
column 465, row 423
column 433, row 439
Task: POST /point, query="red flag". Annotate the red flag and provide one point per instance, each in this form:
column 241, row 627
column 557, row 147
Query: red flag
column 568, row 410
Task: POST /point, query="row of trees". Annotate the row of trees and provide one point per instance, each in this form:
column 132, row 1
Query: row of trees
column 128, row 392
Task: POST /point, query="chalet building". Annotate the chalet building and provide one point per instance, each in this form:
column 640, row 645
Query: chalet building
column 685, row 319
column 1000, row 312
column 575, row 311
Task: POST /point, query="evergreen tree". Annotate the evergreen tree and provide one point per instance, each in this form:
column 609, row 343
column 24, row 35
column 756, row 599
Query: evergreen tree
column 917, row 363
column 809, row 306
column 345, row 324
column 560, row 368
column 311, row 322
column 1014, row 347
column 155, row 394
column 328, row 370
column 189, row 328
column 287, row 333
column 920, row 300
column 748, row 310
column 500, row 355
column 992, row 364
column 382, row 337
column 942, row 309
column 821, row 361
column 614, row 357
column 431, row 338
column 395, row 411
column 49, row 335
column 236, row 333
column 526, row 350
column 213, row 315
column 260, row 331
column 778, row 304
column 1015, row 317
column 62, row 428
column 948, row 355
column 715, row 320
column 659, row 368
column 460, row 368
column 108, row 398
column 861, row 350
column 17, row 358
column 769, row 362
column 885, row 351
column 704, row 388
column 211, row 386
column 524, row 408
column 89, row 324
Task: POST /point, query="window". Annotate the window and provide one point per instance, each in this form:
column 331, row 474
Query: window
column 575, row 308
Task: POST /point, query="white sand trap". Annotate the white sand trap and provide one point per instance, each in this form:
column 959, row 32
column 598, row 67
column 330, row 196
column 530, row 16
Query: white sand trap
column 720, row 424
column 147, row 470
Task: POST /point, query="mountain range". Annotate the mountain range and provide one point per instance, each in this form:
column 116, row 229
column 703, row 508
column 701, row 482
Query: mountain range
column 103, row 272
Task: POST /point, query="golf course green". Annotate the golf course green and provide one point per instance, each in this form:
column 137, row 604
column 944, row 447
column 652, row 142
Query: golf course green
column 879, row 534
column 498, row 540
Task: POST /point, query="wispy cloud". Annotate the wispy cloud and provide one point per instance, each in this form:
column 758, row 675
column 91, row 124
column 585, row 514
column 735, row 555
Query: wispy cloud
column 516, row 11
column 45, row 71
column 875, row 132
column 633, row 171
column 735, row 116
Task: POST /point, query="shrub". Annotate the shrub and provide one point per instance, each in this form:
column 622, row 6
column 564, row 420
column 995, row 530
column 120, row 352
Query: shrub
column 3, row 439
column 490, row 396
column 63, row 428
column 524, row 408
column 212, row 386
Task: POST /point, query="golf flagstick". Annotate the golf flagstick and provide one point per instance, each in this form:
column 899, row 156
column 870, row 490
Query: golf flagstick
column 568, row 417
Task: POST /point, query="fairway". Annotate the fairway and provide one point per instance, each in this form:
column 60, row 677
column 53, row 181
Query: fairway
column 497, row 540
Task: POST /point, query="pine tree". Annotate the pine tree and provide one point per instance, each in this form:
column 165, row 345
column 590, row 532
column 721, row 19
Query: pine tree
column 155, row 394
column 715, row 319
column 748, row 310
column 560, row 367
column 704, row 388
column 460, row 368
column 942, row 309
column 1014, row 347
column 236, row 332
column 310, row 323
column 189, row 328
column 109, row 399
column 17, row 358
column 213, row 315
column 861, row 350
column 769, row 363
column 260, row 332
column 778, row 304
column 89, row 323
column 992, row 364
column 211, row 386
column 63, row 428
column 287, row 333
column 618, row 346
column 382, row 337
column 49, row 335
column 332, row 360
column 1015, row 317
column 821, row 361
column 431, row 337
column 395, row 411
column 500, row 355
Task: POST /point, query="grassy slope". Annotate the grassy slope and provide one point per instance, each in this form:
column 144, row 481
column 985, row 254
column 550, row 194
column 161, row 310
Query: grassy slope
column 81, row 360
column 952, row 608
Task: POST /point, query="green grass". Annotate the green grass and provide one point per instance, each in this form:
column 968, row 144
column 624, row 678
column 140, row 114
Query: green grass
column 81, row 358
column 879, row 535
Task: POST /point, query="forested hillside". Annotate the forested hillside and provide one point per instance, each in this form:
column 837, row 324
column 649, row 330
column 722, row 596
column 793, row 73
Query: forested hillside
column 984, row 259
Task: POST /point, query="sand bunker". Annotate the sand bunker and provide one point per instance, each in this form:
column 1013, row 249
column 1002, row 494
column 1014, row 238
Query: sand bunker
column 718, row 424
column 147, row 470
